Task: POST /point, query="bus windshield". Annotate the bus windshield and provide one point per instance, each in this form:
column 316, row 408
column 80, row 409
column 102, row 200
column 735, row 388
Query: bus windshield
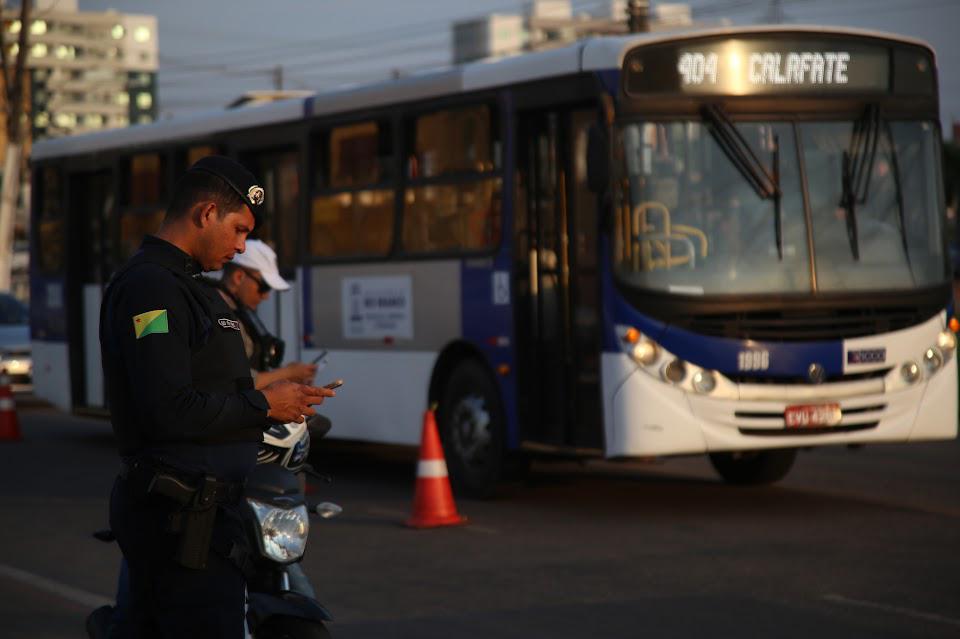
column 690, row 221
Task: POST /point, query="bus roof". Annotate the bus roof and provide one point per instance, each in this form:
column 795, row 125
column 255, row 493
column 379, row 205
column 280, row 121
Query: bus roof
column 586, row 55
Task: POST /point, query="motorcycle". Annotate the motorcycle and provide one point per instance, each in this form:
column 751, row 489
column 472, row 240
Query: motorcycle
column 281, row 603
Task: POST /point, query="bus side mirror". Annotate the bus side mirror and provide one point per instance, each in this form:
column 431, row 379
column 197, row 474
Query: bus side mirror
column 598, row 159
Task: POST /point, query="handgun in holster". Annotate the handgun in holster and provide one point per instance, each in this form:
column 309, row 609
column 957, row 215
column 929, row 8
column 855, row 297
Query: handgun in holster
column 194, row 524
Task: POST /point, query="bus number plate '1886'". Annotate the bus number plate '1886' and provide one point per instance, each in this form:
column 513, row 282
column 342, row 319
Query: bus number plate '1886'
column 753, row 360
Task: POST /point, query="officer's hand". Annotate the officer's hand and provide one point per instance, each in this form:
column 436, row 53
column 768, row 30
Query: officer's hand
column 291, row 402
column 300, row 372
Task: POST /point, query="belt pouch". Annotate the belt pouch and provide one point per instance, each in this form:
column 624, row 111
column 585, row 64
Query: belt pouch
column 195, row 523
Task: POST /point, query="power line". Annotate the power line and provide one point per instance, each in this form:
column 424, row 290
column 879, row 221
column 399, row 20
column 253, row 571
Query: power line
column 346, row 59
column 316, row 57
column 353, row 41
column 345, row 40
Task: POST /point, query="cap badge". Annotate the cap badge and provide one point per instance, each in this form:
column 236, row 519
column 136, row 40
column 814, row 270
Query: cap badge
column 255, row 195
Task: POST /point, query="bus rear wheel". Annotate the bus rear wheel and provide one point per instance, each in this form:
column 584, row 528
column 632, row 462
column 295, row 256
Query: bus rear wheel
column 754, row 467
column 473, row 429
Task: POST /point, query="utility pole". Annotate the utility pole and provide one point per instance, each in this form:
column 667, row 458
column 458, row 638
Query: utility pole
column 278, row 77
column 638, row 16
column 14, row 82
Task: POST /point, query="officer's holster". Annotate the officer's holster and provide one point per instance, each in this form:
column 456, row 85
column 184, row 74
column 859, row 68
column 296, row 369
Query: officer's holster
column 197, row 496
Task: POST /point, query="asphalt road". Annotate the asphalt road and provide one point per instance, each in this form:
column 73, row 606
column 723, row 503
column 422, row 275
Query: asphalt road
column 859, row 543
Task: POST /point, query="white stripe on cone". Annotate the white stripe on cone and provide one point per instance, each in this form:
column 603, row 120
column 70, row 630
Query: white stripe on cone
column 6, row 403
column 431, row 468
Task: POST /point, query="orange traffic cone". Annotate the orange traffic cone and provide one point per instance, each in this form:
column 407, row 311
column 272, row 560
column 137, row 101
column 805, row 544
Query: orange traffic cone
column 9, row 425
column 433, row 500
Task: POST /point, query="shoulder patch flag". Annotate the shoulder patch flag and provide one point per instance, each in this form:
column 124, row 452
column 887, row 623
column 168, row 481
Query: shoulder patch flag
column 150, row 322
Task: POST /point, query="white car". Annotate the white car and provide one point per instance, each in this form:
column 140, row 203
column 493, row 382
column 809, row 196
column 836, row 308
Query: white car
column 15, row 356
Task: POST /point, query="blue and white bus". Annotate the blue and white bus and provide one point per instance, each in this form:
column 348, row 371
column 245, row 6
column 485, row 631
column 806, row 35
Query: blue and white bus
column 725, row 242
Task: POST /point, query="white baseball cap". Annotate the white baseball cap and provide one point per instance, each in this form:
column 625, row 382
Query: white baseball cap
column 258, row 256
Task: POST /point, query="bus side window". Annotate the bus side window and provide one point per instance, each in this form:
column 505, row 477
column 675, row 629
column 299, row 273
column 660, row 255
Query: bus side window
column 352, row 209
column 453, row 197
column 51, row 239
column 142, row 206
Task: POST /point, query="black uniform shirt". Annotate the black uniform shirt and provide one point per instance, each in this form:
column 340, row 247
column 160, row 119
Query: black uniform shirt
column 173, row 358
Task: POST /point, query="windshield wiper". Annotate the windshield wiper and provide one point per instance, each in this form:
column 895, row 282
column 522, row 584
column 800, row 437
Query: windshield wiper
column 895, row 169
column 741, row 155
column 857, row 169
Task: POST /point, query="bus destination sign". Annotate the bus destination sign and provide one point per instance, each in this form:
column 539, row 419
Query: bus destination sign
column 748, row 67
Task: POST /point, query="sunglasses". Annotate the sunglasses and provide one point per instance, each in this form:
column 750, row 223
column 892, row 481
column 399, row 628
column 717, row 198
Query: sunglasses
column 262, row 286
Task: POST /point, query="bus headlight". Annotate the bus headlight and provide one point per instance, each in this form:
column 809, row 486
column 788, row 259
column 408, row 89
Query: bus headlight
column 932, row 359
column 645, row 352
column 910, row 372
column 947, row 342
column 675, row 371
column 704, row 382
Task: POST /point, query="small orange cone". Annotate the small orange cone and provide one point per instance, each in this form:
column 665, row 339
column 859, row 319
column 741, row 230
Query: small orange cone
column 433, row 500
column 9, row 425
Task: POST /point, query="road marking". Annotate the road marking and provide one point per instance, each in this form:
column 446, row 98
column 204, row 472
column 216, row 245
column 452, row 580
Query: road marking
column 916, row 614
column 82, row 597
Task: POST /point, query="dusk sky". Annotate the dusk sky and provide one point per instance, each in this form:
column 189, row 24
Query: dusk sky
column 211, row 51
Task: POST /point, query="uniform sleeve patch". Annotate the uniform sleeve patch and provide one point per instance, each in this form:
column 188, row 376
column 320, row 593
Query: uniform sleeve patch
column 150, row 322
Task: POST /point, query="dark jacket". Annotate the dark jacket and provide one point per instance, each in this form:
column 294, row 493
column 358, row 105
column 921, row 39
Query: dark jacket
column 173, row 358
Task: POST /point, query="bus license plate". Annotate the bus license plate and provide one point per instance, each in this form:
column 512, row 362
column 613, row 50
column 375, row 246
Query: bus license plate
column 812, row 415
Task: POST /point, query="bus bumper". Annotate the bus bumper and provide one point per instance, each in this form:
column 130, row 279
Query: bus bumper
column 643, row 416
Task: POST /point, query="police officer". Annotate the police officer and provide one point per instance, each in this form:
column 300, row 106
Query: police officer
column 186, row 416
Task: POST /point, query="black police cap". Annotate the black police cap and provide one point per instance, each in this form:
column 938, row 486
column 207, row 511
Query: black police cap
column 238, row 178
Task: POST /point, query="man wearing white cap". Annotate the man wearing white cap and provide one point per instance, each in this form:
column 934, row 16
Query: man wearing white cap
column 246, row 282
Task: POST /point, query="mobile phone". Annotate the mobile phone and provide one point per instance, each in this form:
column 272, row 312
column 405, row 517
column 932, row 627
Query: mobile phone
column 316, row 360
column 336, row 384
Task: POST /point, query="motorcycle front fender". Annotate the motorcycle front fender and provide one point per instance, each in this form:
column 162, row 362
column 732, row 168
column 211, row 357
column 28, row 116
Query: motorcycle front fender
column 262, row 606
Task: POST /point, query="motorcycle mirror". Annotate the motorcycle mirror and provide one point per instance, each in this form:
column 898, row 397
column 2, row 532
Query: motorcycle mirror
column 327, row 510
column 105, row 535
column 319, row 426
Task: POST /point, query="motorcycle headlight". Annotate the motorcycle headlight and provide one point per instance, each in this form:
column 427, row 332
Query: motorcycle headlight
column 282, row 531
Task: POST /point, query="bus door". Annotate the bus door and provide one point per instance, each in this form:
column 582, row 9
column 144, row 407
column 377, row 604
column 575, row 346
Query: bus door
column 90, row 249
column 279, row 172
column 556, row 281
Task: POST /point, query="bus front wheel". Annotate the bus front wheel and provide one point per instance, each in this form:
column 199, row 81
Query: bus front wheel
column 473, row 429
column 754, row 467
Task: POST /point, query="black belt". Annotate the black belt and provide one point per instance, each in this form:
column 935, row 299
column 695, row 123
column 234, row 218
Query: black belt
column 151, row 477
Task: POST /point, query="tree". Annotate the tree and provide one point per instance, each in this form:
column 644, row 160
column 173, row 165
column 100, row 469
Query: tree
column 13, row 92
